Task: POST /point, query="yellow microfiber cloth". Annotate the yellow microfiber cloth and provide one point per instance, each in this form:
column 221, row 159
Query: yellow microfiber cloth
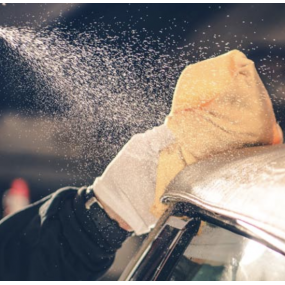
column 218, row 104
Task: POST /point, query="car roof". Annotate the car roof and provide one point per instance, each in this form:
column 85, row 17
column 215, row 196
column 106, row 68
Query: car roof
column 246, row 186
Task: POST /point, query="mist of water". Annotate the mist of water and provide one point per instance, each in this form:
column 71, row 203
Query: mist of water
column 106, row 86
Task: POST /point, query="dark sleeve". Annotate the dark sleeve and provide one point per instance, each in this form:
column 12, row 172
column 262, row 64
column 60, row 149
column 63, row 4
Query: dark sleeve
column 57, row 239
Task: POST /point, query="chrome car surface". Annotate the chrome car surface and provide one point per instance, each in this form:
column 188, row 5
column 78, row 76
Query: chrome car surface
column 237, row 197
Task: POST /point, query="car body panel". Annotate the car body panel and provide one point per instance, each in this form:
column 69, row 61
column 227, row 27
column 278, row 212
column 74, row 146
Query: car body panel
column 246, row 187
column 241, row 191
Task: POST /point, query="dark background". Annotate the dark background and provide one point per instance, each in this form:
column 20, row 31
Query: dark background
column 48, row 164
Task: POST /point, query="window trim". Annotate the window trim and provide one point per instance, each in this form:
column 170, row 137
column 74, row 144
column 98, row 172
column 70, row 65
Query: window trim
column 163, row 247
column 176, row 228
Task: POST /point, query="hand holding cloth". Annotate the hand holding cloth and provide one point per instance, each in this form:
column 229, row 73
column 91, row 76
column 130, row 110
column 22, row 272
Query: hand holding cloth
column 218, row 104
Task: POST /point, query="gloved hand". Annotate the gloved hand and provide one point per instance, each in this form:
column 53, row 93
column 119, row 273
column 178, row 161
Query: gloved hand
column 127, row 186
column 218, row 104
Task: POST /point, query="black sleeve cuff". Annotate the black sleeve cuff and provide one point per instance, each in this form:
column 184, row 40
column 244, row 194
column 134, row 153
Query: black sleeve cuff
column 98, row 224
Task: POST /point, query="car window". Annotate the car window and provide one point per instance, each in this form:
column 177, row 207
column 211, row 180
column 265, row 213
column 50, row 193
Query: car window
column 218, row 254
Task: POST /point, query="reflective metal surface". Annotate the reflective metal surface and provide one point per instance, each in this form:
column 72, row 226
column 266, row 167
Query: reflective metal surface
column 216, row 254
column 245, row 188
column 162, row 249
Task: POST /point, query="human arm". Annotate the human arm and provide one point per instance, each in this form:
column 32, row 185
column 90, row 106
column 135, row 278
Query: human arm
column 57, row 239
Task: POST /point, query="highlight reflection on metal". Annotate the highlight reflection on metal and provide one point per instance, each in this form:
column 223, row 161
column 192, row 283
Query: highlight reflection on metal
column 162, row 249
column 247, row 185
column 218, row 254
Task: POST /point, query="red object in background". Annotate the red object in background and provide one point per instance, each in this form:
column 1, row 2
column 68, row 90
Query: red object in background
column 17, row 197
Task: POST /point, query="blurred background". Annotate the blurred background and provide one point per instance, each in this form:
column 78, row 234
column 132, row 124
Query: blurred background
column 46, row 159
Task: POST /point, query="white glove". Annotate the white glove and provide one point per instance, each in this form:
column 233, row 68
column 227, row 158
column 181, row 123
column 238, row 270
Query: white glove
column 128, row 184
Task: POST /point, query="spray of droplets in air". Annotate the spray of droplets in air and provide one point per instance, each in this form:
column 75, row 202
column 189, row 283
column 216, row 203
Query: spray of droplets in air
column 105, row 88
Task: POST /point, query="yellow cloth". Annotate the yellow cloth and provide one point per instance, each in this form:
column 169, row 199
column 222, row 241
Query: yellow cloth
column 218, row 104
